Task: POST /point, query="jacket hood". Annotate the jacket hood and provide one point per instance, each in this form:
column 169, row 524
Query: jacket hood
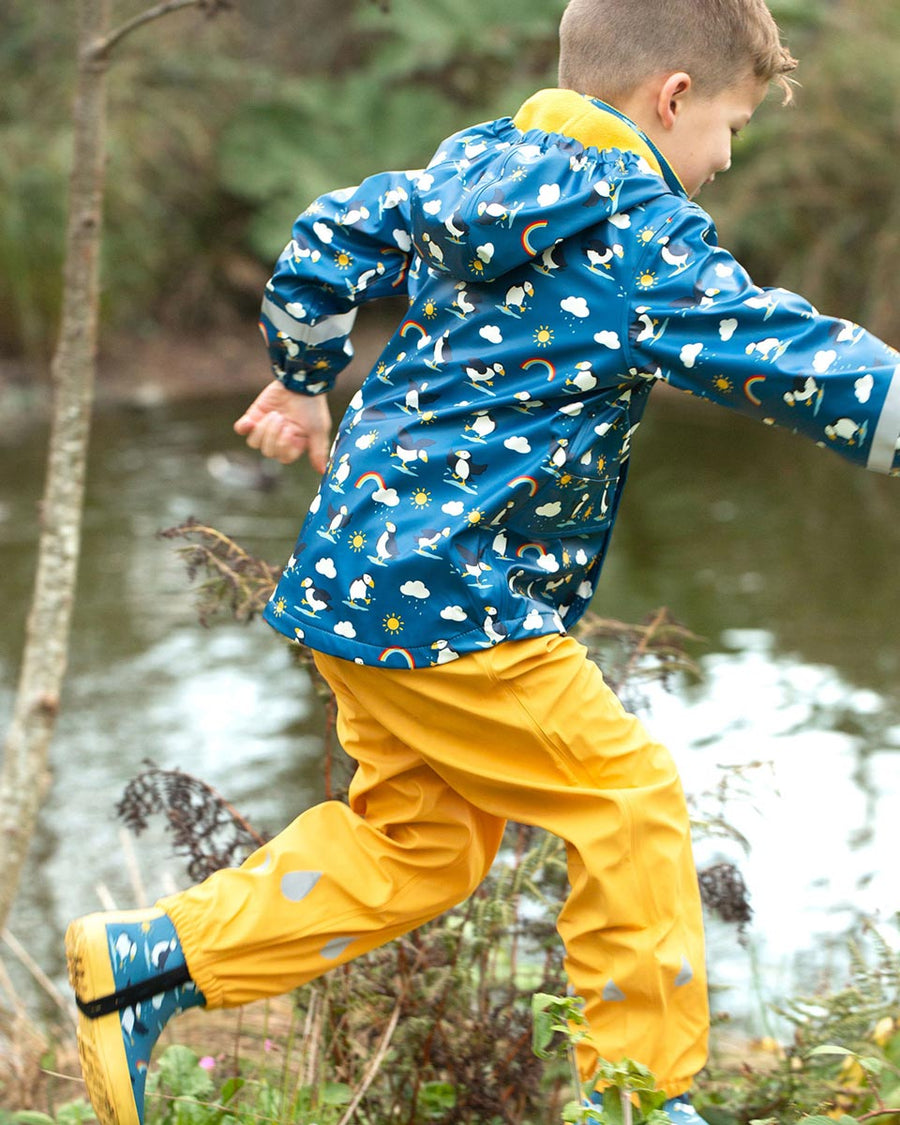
column 484, row 203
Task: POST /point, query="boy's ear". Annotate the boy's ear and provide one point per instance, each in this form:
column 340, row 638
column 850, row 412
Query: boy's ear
column 670, row 98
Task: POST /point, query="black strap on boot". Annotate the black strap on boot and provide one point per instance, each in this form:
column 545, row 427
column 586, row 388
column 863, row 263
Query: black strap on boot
column 134, row 993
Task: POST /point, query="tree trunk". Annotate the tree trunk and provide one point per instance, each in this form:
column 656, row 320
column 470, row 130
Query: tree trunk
column 23, row 772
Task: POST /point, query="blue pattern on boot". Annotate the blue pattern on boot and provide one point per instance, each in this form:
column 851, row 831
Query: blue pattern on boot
column 139, row 951
column 679, row 1109
column 681, row 1112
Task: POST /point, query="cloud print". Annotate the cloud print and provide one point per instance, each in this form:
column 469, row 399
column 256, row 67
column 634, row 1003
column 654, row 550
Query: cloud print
column 326, row 568
column 608, row 340
column 864, row 388
column 323, row 232
column 551, row 509
column 491, row 333
column 689, row 354
column 577, row 306
column 548, row 195
column 453, row 507
column 533, row 621
column 823, row 360
column 415, row 590
column 403, row 240
column 453, row 613
column 386, row 496
column 518, row 444
column 345, row 629
column 727, row 329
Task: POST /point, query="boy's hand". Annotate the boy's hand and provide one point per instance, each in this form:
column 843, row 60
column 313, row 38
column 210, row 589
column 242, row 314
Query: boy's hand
column 284, row 425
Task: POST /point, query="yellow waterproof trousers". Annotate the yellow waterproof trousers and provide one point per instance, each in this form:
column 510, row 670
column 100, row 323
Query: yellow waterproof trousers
column 526, row 731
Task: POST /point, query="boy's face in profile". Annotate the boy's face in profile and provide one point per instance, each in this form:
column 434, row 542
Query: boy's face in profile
column 698, row 135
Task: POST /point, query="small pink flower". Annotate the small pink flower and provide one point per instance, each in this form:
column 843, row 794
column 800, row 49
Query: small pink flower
column 207, row 1062
column 270, row 1045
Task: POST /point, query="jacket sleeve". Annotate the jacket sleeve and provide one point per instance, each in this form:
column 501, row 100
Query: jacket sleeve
column 698, row 322
column 347, row 247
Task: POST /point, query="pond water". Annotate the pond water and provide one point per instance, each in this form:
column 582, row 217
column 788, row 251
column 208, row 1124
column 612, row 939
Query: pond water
column 782, row 557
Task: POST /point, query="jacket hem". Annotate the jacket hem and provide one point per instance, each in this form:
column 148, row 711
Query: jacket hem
column 391, row 656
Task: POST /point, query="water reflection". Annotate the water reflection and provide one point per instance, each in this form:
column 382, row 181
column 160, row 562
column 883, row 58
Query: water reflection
column 809, row 766
column 783, row 558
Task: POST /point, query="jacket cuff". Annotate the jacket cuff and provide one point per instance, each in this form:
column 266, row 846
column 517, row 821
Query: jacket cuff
column 886, row 442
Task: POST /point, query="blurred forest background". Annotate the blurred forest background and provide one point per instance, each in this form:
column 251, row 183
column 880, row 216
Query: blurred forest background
column 222, row 129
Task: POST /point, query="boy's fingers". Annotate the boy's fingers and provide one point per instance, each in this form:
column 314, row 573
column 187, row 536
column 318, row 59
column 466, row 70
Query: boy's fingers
column 268, row 436
column 251, row 417
column 290, row 444
column 280, row 439
column 259, row 431
column 283, row 442
column 285, row 438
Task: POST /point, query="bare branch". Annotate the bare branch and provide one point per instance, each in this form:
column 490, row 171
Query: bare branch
column 375, row 1064
column 100, row 48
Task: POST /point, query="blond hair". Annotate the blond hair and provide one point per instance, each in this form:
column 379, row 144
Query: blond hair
column 608, row 47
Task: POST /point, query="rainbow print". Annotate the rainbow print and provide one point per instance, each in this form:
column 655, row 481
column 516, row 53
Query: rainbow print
column 410, row 326
column 544, row 363
column 404, row 654
column 531, row 229
column 371, row 478
column 401, row 276
column 540, row 551
column 530, row 481
column 749, row 384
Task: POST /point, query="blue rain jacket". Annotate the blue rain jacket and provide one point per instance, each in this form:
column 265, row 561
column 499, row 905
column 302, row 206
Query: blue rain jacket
column 556, row 271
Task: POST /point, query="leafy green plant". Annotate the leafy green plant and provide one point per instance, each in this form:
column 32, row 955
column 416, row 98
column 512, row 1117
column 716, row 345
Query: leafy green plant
column 186, row 1085
column 71, row 1113
column 843, row 1059
column 185, row 1089
column 629, row 1093
column 817, row 1081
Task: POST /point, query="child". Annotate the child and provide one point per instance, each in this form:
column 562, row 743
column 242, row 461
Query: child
column 556, row 270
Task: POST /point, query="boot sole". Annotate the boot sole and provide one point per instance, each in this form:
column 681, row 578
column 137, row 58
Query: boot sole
column 101, row 1047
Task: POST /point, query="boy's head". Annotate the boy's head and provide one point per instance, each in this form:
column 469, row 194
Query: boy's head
column 690, row 73
column 610, row 47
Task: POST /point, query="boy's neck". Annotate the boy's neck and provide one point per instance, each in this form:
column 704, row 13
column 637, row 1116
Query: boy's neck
column 640, row 107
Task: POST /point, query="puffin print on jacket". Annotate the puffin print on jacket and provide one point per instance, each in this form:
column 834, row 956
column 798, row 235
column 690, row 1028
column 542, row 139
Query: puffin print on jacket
column 555, row 272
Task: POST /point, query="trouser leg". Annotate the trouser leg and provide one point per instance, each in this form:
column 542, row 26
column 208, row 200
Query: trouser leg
column 530, row 731
column 340, row 880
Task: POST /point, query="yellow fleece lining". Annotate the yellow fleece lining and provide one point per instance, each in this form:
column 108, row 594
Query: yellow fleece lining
column 576, row 116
